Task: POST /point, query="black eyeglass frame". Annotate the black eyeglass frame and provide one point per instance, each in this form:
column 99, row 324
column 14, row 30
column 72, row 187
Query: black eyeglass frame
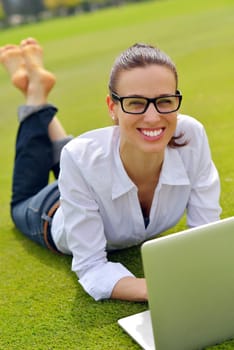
column 149, row 100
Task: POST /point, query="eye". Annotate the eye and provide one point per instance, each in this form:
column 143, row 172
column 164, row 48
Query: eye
column 165, row 101
column 136, row 102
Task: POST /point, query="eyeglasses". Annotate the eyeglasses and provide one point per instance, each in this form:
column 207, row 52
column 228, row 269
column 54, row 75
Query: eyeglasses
column 139, row 105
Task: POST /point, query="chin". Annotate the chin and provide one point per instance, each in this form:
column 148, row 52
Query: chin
column 154, row 147
column 153, row 150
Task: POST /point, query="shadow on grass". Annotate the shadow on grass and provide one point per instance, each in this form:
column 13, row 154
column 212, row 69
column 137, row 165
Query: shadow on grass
column 130, row 257
column 44, row 255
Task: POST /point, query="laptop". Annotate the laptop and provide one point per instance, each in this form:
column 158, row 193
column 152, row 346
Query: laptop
column 190, row 281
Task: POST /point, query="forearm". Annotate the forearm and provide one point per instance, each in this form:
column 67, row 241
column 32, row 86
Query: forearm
column 131, row 289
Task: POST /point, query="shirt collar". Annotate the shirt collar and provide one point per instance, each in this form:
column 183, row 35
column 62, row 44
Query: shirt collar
column 121, row 181
column 173, row 170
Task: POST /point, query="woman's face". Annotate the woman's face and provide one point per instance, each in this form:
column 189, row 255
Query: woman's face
column 150, row 131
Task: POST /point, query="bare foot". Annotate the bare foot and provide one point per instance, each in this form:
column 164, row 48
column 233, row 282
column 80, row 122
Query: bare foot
column 12, row 59
column 41, row 81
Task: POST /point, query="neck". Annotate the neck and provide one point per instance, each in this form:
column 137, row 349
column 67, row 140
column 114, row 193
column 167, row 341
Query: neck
column 140, row 166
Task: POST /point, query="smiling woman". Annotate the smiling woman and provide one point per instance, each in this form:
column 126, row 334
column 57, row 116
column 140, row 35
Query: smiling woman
column 117, row 186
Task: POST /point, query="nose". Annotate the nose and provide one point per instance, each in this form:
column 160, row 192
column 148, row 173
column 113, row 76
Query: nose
column 151, row 114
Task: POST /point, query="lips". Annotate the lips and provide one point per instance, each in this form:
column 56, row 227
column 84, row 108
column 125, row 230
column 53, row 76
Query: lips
column 152, row 133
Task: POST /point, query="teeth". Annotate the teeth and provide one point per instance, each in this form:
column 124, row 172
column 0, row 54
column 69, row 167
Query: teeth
column 152, row 133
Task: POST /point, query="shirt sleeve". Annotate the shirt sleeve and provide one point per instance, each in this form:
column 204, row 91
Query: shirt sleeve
column 203, row 206
column 85, row 232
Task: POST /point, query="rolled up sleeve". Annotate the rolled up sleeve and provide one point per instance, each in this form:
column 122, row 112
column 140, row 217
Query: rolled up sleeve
column 100, row 281
column 85, row 232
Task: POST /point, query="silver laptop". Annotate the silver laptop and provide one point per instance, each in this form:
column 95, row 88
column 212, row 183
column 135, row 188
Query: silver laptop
column 190, row 281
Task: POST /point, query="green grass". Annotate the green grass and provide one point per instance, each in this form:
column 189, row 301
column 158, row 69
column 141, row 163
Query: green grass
column 41, row 304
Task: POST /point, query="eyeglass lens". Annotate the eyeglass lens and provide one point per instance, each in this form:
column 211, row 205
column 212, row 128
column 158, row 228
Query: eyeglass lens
column 140, row 104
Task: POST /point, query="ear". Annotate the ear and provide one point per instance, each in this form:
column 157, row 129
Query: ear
column 111, row 106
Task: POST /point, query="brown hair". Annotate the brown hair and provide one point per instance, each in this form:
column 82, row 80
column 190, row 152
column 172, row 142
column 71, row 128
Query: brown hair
column 143, row 55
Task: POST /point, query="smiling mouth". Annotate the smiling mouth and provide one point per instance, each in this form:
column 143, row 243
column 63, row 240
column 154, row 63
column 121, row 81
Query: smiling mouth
column 151, row 133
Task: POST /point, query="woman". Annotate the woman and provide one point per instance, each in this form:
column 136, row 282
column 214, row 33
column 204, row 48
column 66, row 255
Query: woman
column 118, row 186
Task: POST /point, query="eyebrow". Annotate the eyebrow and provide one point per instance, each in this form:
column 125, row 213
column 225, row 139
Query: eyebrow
column 162, row 95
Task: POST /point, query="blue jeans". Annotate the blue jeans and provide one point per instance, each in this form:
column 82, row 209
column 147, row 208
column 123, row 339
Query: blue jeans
column 32, row 196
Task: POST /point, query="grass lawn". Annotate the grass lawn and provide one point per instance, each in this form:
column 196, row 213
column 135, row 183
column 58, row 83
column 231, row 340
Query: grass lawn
column 41, row 304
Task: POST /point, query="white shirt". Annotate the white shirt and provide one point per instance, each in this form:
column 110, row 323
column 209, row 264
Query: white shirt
column 100, row 210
